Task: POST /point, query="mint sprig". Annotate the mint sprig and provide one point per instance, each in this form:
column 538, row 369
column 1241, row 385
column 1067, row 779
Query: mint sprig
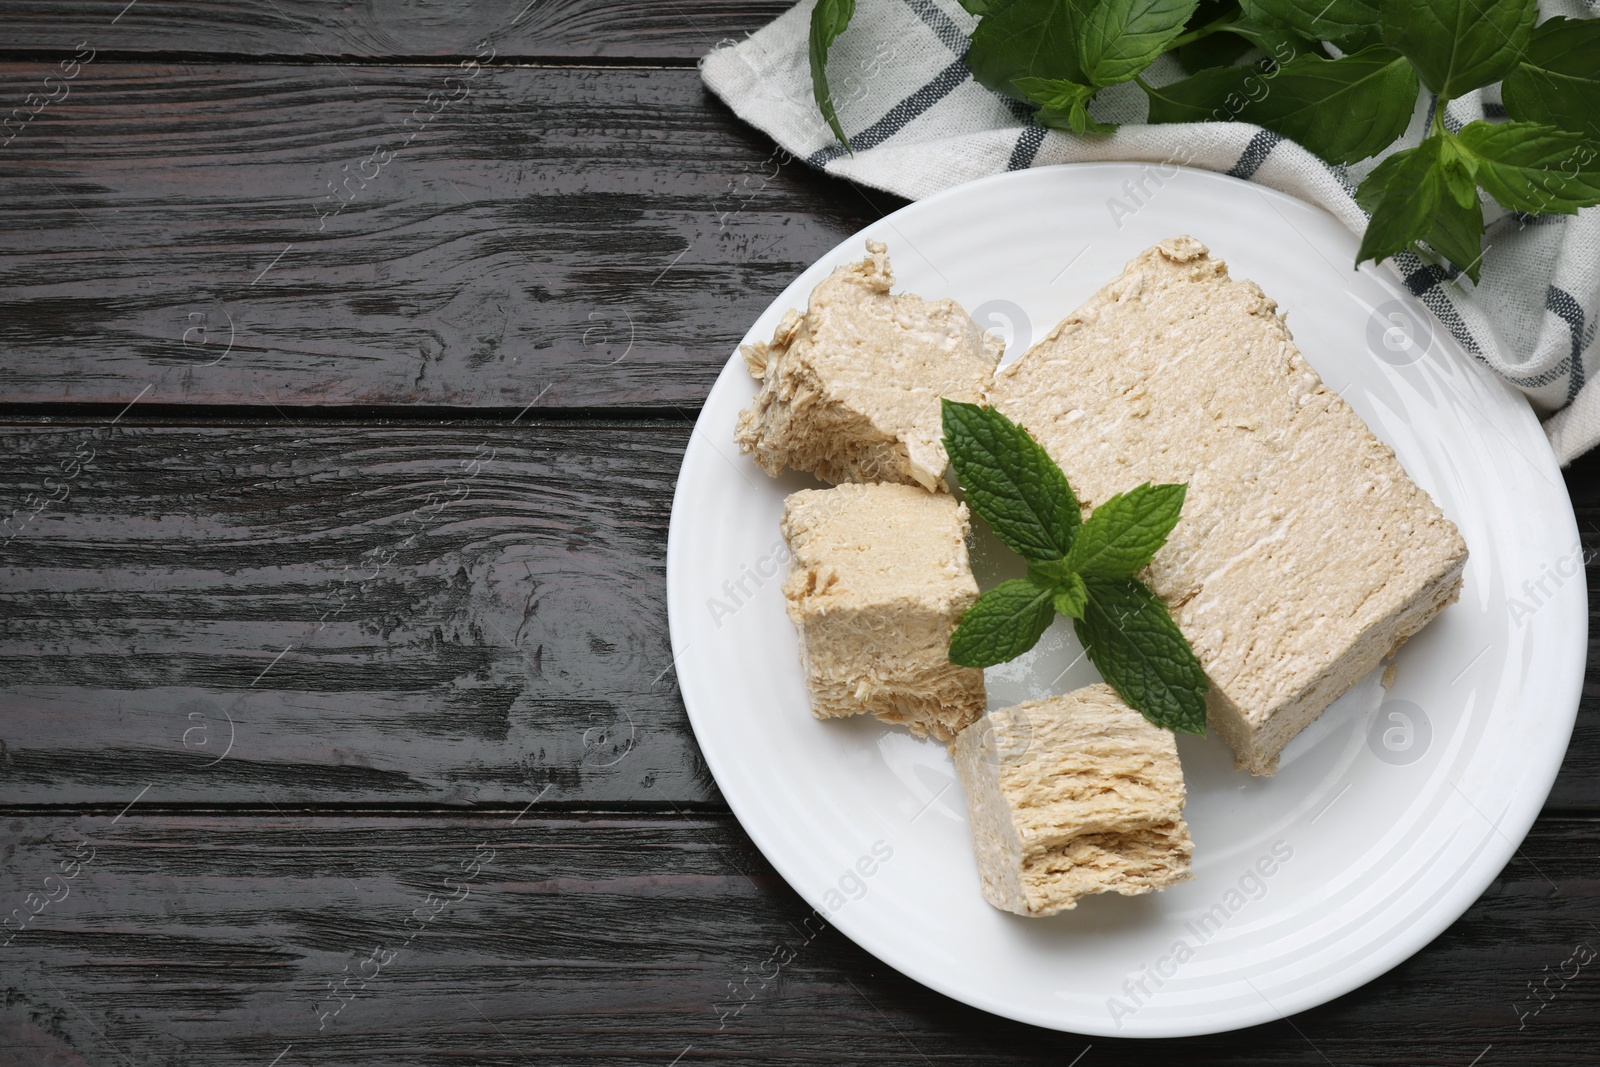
column 1339, row 77
column 1084, row 570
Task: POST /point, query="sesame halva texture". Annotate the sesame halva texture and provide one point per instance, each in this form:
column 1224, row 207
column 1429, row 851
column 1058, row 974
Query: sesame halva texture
column 878, row 580
column 1305, row 554
column 1069, row 796
column 850, row 390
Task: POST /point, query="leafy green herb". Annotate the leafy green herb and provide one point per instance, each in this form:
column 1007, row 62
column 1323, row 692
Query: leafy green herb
column 1557, row 78
column 1011, row 482
column 1084, row 570
column 1350, row 24
column 1004, row 623
column 1063, row 105
column 1341, row 109
column 828, row 20
column 1215, row 95
column 1403, row 195
column 1429, row 193
column 1344, row 102
column 1138, row 650
column 1027, row 39
column 1072, row 596
column 1221, row 49
column 1528, row 166
column 1279, row 43
column 1125, row 532
column 1459, row 45
column 1122, row 37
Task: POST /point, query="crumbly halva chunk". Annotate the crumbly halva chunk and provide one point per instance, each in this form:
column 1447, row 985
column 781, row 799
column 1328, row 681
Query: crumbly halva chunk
column 1069, row 796
column 1306, row 554
column 850, row 390
column 878, row 580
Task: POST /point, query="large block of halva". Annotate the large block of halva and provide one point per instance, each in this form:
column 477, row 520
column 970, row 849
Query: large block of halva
column 1305, row 554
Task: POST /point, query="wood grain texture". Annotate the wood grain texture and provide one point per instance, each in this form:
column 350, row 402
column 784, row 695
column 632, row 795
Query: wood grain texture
column 1579, row 783
column 403, row 235
column 298, row 614
column 594, row 938
column 682, row 30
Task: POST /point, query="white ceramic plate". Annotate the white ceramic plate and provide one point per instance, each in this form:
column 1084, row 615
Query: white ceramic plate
column 1390, row 814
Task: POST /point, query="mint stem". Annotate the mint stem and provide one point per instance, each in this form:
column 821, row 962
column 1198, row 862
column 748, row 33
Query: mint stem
column 1438, row 126
column 1223, row 23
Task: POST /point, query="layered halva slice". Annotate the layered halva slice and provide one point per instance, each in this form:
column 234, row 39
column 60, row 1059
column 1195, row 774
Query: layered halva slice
column 1069, row 796
column 878, row 580
column 1305, row 555
column 850, row 390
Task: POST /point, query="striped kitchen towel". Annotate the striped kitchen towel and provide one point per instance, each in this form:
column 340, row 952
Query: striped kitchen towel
column 918, row 123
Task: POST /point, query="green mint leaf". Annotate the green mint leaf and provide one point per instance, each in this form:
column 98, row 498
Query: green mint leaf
column 1341, row 109
column 1457, row 232
column 828, row 20
column 1122, row 37
column 1424, row 194
column 1403, row 194
column 1011, row 482
column 1528, row 166
column 1216, row 95
column 1063, row 105
column 1214, row 50
column 1076, row 118
column 1055, row 93
column 1067, row 584
column 1557, row 79
column 1378, row 184
column 1280, row 43
column 1050, row 571
column 1123, row 534
column 977, row 7
column 1350, row 24
column 1459, row 45
column 1027, row 38
column 1460, row 172
column 1072, row 597
column 1132, row 640
column 1003, row 624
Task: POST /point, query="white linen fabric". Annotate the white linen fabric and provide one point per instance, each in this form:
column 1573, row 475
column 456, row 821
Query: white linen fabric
column 918, row 123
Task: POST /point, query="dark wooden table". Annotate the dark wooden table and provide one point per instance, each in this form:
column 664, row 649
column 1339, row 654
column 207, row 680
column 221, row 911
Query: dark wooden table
column 348, row 353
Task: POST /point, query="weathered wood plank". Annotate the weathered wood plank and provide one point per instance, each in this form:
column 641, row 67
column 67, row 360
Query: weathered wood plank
column 615, row 939
column 1579, row 783
column 301, row 613
column 298, row 235
column 682, row 30
column 369, row 614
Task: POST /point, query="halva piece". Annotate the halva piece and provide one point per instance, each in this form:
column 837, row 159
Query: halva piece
column 1069, row 796
column 878, row 580
column 1305, row 554
column 850, row 390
